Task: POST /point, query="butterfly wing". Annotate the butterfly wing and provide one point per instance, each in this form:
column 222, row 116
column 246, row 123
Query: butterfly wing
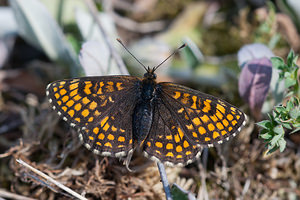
column 186, row 120
column 100, row 108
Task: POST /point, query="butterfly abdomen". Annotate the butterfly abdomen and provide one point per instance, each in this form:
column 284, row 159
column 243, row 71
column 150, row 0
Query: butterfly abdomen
column 143, row 112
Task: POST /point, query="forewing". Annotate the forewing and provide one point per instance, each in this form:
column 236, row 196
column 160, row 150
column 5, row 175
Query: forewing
column 206, row 120
column 100, row 108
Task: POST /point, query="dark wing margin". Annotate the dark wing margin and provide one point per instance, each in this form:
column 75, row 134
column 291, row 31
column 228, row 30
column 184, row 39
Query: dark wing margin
column 100, row 108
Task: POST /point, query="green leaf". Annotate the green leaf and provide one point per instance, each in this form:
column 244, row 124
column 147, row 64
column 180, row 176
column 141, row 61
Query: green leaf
column 282, row 144
column 294, row 113
column 289, row 82
column 290, row 58
column 277, row 62
column 289, row 105
column 266, row 136
column 37, row 26
column 273, row 149
column 295, row 60
column 178, row 193
column 280, row 109
column 296, row 130
column 265, row 124
column 287, row 74
column 275, row 140
column 279, row 130
column 287, row 125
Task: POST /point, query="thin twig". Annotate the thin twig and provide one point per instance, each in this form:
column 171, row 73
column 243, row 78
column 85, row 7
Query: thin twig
column 164, row 180
column 202, row 193
column 48, row 178
column 146, row 27
column 92, row 8
column 131, row 25
column 6, row 194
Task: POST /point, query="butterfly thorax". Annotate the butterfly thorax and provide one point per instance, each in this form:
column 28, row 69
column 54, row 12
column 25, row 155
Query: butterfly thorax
column 143, row 112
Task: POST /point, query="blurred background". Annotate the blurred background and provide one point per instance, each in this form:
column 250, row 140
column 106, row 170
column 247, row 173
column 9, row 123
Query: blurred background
column 231, row 45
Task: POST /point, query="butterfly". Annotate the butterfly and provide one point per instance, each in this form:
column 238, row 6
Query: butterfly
column 169, row 122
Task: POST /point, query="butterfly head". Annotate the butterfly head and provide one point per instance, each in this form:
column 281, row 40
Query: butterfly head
column 150, row 75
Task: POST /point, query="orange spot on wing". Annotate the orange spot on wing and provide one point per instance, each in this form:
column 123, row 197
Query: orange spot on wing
column 225, row 122
column 109, row 86
column 196, row 121
column 96, row 130
column 106, row 127
column 77, row 97
column 194, row 106
column 221, row 108
column 85, row 100
column 169, row 146
column 101, row 84
column 70, row 103
column 114, row 129
column 91, row 138
column 87, row 87
column 119, row 87
column 73, row 86
column 205, row 118
column 185, row 144
column 64, row 108
column 74, row 92
column 201, row 130
column 85, row 112
column 220, row 126
column 215, row 134
column 181, row 134
column 110, row 137
column 108, row 144
column 93, row 105
column 71, row 113
column 179, row 148
column 62, row 92
column 229, row 117
column 65, row 98
column 158, row 144
column 97, row 113
column 170, row 154
column 219, row 115
column 207, row 106
column 91, row 119
column 103, row 121
column 78, row 106
column 121, row 139
column 101, row 136
column 77, row 119
column 176, row 95
column 211, row 127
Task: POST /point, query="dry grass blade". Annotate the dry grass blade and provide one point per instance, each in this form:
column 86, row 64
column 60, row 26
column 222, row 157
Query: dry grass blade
column 51, row 180
column 10, row 195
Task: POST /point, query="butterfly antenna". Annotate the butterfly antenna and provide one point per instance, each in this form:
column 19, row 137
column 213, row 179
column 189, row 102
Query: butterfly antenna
column 182, row 46
column 131, row 53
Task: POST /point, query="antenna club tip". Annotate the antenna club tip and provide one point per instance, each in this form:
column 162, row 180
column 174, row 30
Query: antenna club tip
column 119, row 40
column 182, row 46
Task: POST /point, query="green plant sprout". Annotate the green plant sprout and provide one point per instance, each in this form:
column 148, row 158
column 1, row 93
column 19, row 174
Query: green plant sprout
column 285, row 118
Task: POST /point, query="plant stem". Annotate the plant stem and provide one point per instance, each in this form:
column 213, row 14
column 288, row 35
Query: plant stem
column 164, row 180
